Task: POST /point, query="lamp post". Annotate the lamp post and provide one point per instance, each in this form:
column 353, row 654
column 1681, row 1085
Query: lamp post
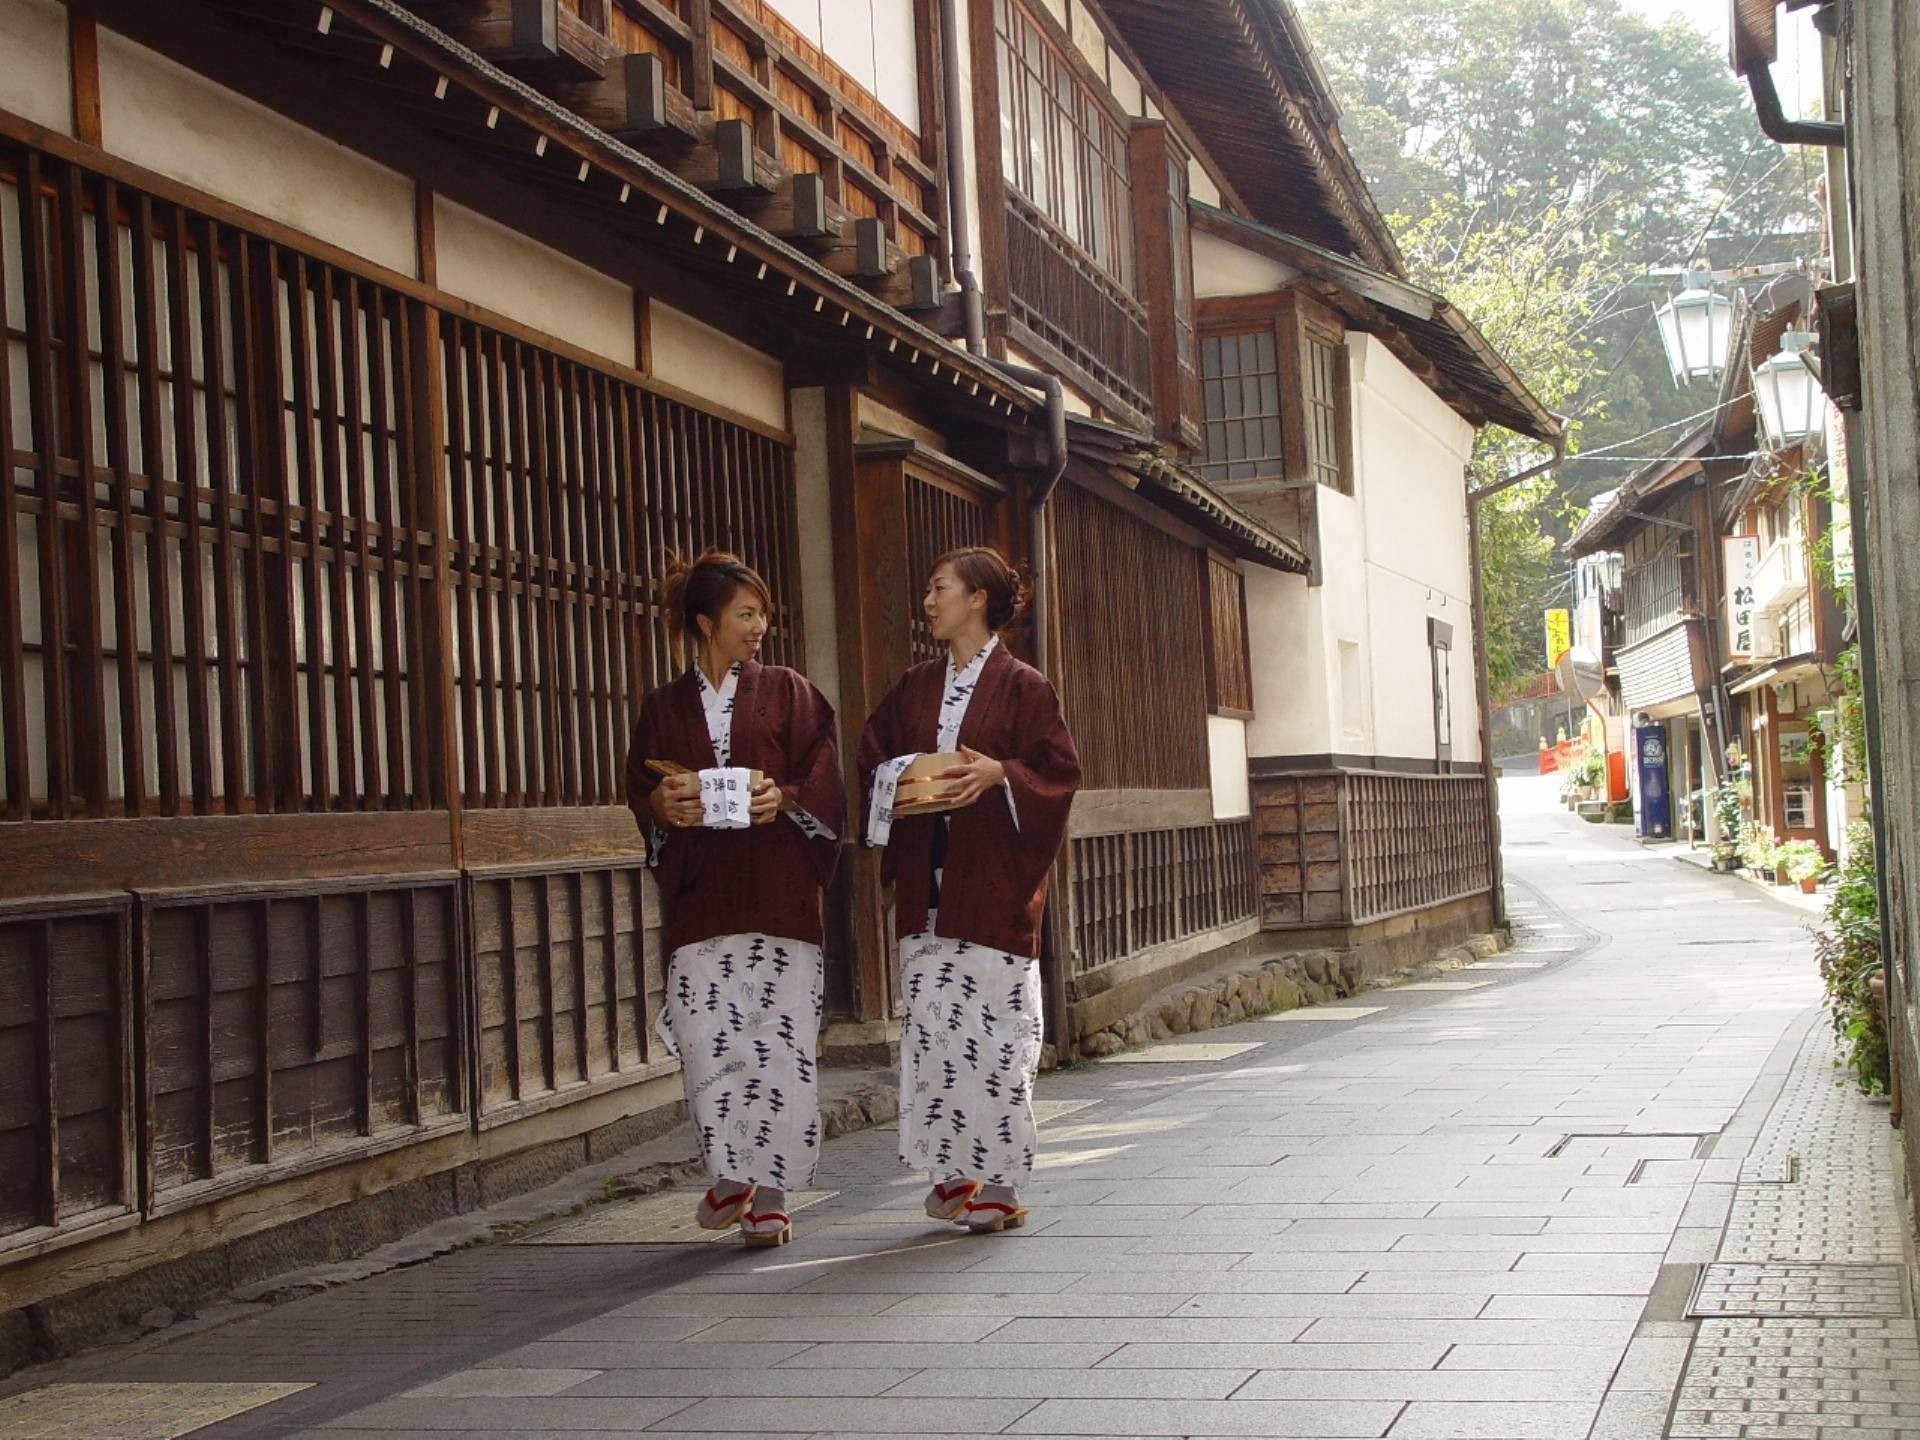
column 1695, row 328
column 1792, row 405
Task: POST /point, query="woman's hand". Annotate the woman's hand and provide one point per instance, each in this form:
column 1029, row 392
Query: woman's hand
column 766, row 801
column 967, row 783
column 676, row 801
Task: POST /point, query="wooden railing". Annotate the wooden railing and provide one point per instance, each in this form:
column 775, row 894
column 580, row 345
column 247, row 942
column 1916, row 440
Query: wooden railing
column 1067, row 301
column 1350, row 847
column 1135, row 890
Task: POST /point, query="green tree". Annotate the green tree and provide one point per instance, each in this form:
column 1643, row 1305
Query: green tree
column 1531, row 287
column 1537, row 159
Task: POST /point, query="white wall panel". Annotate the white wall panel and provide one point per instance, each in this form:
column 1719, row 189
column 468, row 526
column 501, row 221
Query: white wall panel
column 491, row 265
column 166, row 118
column 1292, row 690
column 1227, row 753
column 715, row 367
column 1222, row 268
column 34, row 75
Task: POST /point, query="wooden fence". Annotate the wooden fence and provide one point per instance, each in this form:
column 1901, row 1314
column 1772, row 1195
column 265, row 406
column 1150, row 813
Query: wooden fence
column 1349, row 847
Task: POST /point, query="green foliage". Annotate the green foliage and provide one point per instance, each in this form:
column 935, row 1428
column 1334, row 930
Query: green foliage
column 1801, row 859
column 1727, row 805
column 1530, row 288
column 1848, row 948
column 1536, row 158
column 1757, row 846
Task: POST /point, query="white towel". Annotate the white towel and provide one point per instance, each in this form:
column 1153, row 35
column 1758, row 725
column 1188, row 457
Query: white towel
column 886, row 780
column 726, row 798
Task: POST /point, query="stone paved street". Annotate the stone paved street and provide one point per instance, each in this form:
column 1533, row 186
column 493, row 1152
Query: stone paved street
column 1604, row 1186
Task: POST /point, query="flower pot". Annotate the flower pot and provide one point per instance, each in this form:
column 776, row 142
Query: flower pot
column 1780, row 877
column 1810, row 885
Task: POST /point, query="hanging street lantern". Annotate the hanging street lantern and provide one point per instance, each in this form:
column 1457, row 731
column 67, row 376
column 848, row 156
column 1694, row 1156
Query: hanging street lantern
column 1792, row 405
column 1695, row 327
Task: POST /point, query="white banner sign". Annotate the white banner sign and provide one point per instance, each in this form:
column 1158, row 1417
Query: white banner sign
column 1743, row 558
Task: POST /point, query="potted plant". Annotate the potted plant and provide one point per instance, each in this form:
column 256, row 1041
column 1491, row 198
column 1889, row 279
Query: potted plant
column 1757, row 850
column 1726, row 811
column 1802, row 862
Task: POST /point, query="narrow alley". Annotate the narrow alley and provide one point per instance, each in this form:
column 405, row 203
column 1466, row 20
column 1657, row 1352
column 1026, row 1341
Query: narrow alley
column 1603, row 1185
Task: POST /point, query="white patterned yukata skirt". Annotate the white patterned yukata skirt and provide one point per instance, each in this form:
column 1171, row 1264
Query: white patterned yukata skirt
column 743, row 1014
column 969, row 1051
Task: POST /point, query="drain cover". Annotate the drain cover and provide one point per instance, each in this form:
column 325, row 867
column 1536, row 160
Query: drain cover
column 1797, row 1291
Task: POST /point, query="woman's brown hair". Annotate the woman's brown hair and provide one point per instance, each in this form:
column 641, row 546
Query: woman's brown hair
column 704, row 586
column 981, row 567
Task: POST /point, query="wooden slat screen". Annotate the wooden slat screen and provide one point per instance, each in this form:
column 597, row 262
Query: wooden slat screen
column 1143, row 888
column 1133, row 679
column 567, row 490
column 940, row 518
column 295, row 1022
column 209, row 465
column 1415, row 841
column 1359, row 846
column 567, row 989
column 66, row 1102
column 1229, row 664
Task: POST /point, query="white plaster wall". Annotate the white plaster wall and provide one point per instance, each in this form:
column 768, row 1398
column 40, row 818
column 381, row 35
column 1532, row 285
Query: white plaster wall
column 1202, row 186
column 166, row 118
column 813, row 513
column 872, row 40
column 1347, row 609
column 1227, row 752
column 715, row 367
column 1223, row 268
column 483, row 261
column 35, row 80
column 1409, row 543
column 1293, row 700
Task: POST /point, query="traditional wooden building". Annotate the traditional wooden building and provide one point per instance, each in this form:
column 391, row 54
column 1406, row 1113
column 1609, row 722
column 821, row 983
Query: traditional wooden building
column 1728, row 626
column 363, row 361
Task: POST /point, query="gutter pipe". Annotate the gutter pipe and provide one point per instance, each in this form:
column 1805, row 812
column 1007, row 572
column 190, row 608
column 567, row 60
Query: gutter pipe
column 1774, row 123
column 1482, row 685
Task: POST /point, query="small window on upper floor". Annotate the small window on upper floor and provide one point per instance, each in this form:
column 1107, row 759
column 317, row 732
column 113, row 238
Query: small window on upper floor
column 1276, row 392
column 1240, row 385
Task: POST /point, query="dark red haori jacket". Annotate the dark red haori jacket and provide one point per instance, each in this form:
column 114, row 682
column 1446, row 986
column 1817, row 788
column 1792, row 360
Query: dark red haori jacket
column 765, row 879
column 994, row 884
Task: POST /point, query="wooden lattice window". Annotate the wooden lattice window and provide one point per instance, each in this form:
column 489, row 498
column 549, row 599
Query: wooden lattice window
column 1064, row 142
column 1275, row 388
column 215, row 558
column 1323, row 399
column 567, row 490
column 1240, row 390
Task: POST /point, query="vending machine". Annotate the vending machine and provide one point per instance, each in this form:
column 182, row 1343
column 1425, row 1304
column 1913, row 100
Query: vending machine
column 1652, row 801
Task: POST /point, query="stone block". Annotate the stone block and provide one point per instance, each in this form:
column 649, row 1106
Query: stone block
column 1101, row 1043
column 1485, row 947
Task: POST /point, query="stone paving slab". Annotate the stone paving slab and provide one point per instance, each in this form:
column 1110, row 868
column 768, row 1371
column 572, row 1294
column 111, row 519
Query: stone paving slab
column 1477, row 1213
column 137, row 1411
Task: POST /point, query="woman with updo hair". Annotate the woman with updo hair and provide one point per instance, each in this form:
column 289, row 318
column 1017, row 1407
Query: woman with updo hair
column 969, row 885
column 733, row 774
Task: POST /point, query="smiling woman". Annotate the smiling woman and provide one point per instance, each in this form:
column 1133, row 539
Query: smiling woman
column 734, row 778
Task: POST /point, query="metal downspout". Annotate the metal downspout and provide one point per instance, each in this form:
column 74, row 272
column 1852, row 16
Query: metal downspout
column 1774, row 123
column 1482, row 685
